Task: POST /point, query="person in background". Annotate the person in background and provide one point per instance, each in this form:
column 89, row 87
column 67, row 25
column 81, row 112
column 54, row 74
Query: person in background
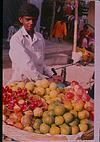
column 91, row 42
column 60, row 30
column 27, row 48
column 68, row 8
column 83, row 40
column 12, row 30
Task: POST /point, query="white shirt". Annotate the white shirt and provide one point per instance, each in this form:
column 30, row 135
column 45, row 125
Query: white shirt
column 27, row 56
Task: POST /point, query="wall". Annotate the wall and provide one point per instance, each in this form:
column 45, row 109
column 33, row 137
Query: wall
column 10, row 11
column 91, row 13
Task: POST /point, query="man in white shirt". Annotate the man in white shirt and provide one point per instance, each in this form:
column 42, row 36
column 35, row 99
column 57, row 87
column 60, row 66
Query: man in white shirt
column 27, row 48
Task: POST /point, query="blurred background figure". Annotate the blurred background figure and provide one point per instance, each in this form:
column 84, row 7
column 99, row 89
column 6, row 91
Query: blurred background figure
column 60, row 30
column 83, row 37
column 12, row 30
column 68, row 8
column 91, row 42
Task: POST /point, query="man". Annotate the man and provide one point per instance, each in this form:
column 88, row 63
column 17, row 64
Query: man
column 27, row 48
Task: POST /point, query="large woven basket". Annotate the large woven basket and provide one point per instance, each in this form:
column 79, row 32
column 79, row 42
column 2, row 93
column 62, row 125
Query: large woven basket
column 25, row 136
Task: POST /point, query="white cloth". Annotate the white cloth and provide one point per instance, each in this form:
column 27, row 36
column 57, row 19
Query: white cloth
column 84, row 43
column 76, row 56
column 27, row 56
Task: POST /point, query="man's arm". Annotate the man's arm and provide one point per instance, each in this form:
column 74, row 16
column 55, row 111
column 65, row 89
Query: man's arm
column 47, row 71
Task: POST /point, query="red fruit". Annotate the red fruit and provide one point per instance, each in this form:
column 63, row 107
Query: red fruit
column 4, row 94
column 6, row 88
column 10, row 99
column 14, row 93
column 24, row 106
column 3, row 90
column 10, row 90
column 19, row 90
column 74, row 82
column 92, row 116
column 24, row 90
column 5, row 102
column 22, row 95
column 69, row 95
column 30, row 98
column 32, row 106
column 86, row 97
column 11, row 106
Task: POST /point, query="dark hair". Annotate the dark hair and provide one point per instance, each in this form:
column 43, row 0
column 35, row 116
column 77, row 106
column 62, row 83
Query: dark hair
column 28, row 10
column 63, row 19
column 85, row 26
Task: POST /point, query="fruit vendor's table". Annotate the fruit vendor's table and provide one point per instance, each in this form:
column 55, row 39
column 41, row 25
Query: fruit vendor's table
column 82, row 74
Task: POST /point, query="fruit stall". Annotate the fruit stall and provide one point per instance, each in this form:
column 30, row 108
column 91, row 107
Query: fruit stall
column 45, row 110
column 48, row 110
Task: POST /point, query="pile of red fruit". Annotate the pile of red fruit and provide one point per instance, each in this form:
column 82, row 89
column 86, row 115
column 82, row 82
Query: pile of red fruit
column 20, row 100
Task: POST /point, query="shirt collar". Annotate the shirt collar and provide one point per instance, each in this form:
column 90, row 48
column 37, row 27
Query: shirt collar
column 24, row 31
column 35, row 37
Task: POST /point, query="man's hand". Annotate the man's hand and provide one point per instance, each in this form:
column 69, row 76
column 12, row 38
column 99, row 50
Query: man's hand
column 56, row 78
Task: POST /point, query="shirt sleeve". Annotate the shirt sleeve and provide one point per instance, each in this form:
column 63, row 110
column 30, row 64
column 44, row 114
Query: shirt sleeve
column 21, row 59
column 46, row 70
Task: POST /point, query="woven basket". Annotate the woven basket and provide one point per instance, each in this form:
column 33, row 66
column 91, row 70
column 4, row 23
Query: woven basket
column 25, row 136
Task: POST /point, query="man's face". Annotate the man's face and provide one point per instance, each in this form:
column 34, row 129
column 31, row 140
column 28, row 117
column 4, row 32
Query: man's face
column 28, row 22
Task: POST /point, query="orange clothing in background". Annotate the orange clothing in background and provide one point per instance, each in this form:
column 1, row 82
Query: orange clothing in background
column 60, row 29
